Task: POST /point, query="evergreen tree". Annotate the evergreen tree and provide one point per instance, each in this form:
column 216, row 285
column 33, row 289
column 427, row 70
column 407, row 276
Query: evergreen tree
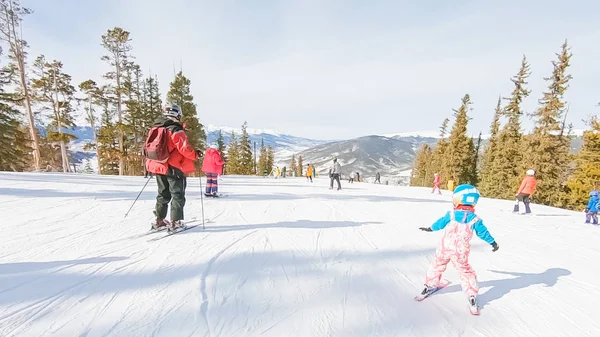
column 180, row 94
column 487, row 178
column 507, row 162
column 92, row 100
column 221, row 146
column 270, row 159
column 116, row 42
column 108, row 135
column 52, row 88
column 12, row 14
column 293, row 164
column 459, row 157
column 439, row 153
column 586, row 175
column 151, row 103
column 245, row 154
column 263, row 159
column 299, row 167
column 547, row 148
column 14, row 143
column 233, row 155
column 421, row 171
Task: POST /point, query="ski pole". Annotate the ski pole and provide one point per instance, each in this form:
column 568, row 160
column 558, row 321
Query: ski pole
column 201, row 199
column 147, row 181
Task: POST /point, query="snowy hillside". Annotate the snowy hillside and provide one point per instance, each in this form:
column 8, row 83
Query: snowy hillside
column 279, row 258
column 367, row 155
column 283, row 144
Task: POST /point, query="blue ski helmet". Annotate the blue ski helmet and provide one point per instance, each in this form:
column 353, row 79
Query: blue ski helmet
column 594, row 193
column 465, row 195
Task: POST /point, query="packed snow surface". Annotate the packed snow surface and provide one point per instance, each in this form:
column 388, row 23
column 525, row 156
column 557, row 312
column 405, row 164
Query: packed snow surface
column 279, row 258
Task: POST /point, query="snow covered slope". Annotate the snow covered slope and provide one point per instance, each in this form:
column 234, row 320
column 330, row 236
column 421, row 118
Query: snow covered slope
column 279, row 258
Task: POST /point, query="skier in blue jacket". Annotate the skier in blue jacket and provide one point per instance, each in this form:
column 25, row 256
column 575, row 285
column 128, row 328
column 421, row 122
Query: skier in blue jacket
column 459, row 225
column 591, row 211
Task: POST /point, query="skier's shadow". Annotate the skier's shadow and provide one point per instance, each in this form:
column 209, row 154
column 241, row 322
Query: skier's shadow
column 502, row 287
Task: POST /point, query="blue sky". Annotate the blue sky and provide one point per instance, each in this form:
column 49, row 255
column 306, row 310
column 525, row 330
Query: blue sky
column 334, row 69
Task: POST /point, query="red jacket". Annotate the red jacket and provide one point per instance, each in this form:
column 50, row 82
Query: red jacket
column 212, row 162
column 182, row 154
column 437, row 180
column 527, row 185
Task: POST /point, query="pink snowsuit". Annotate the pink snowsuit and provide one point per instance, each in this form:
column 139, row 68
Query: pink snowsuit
column 436, row 184
column 455, row 246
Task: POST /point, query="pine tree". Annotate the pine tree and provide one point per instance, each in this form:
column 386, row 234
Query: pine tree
column 270, row 158
column 586, row 175
column 293, row 164
column 221, row 146
column 547, row 148
column 12, row 14
column 108, row 135
column 459, row 157
column 52, row 88
column 439, row 153
column 91, row 100
column 14, row 143
column 421, row 170
column 299, row 167
column 245, row 154
column 487, row 178
column 233, row 155
column 116, row 42
column 151, row 103
column 263, row 159
column 180, row 94
column 507, row 162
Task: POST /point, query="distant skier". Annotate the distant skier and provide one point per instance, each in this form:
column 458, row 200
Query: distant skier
column 377, row 178
column 525, row 191
column 309, row 173
column 358, row 177
column 591, row 211
column 351, row 177
column 283, row 173
column 459, row 226
column 170, row 157
column 335, row 172
column 437, row 180
column 212, row 166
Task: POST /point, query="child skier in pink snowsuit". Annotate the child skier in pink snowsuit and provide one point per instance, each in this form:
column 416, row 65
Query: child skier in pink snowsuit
column 459, row 226
column 437, row 180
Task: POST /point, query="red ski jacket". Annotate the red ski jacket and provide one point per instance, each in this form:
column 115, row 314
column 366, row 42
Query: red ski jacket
column 182, row 155
column 527, row 185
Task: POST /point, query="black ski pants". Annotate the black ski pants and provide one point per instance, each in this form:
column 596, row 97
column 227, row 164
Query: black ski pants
column 171, row 188
column 336, row 177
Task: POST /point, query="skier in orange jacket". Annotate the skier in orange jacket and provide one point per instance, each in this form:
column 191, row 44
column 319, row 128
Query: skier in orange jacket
column 525, row 191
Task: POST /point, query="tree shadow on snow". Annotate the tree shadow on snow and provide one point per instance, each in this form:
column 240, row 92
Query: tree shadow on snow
column 298, row 224
column 25, row 267
column 333, row 196
column 502, row 287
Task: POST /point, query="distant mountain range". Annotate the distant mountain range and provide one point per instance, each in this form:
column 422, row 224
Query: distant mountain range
column 392, row 155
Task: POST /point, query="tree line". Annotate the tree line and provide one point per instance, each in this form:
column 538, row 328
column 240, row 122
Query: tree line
column 564, row 179
column 120, row 107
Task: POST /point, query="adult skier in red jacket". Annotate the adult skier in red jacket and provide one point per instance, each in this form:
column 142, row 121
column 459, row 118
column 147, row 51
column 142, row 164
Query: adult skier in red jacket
column 170, row 175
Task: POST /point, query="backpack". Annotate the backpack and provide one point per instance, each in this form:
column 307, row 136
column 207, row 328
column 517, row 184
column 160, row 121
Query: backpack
column 157, row 145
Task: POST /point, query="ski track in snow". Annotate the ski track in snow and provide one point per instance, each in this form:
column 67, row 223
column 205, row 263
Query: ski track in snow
column 279, row 258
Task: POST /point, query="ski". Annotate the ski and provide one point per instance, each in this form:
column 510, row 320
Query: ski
column 443, row 284
column 173, row 232
column 474, row 308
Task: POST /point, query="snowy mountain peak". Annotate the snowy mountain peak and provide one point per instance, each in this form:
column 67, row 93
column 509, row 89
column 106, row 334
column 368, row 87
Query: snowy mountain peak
column 238, row 131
